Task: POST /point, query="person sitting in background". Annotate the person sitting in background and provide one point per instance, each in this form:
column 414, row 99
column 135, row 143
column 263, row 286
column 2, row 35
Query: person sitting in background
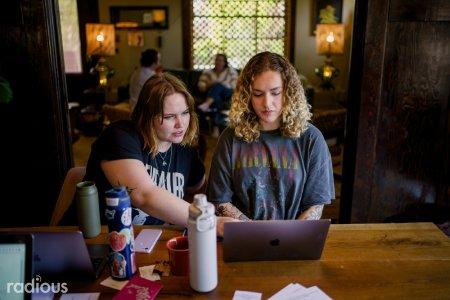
column 150, row 64
column 218, row 84
column 271, row 163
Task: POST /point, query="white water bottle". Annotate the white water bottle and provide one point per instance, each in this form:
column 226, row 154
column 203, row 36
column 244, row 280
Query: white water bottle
column 202, row 245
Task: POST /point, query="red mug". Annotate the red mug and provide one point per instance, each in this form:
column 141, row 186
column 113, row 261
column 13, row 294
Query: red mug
column 179, row 255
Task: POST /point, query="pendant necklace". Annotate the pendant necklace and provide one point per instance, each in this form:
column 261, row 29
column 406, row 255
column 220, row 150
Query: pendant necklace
column 163, row 158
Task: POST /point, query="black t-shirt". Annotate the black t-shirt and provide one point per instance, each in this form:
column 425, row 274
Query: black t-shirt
column 175, row 170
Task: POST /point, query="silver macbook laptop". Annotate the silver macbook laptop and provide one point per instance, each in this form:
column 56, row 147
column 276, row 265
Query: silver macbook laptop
column 274, row 240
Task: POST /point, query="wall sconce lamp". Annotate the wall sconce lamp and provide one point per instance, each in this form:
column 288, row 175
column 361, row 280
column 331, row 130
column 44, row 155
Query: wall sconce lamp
column 329, row 40
column 159, row 16
column 100, row 43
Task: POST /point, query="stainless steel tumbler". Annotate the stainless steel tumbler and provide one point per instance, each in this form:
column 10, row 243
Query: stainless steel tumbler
column 88, row 209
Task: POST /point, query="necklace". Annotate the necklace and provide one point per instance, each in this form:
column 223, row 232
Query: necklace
column 165, row 155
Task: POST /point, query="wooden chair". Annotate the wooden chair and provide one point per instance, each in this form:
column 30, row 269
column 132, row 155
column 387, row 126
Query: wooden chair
column 67, row 193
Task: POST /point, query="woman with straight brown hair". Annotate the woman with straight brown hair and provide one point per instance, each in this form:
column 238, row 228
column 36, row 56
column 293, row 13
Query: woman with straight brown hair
column 152, row 154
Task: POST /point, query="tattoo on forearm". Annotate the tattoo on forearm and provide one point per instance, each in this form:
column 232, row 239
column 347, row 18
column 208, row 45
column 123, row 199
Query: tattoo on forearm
column 312, row 213
column 229, row 210
column 129, row 189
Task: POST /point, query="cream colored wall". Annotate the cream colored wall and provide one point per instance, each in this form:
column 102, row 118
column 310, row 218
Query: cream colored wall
column 127, row 58
column 306, row 59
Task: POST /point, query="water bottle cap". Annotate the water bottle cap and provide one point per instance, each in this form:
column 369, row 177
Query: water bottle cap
column 118, row 192
column 86, row 188
column 200, row 200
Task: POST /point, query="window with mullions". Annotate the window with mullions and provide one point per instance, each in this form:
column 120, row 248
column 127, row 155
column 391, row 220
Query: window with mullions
column 240, row 29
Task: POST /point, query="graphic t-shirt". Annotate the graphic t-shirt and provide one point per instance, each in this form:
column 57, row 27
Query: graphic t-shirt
column 175, row 170
column 273, row 178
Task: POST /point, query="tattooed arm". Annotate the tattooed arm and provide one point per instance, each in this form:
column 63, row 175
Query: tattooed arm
column 229, row 210
column 312, row 213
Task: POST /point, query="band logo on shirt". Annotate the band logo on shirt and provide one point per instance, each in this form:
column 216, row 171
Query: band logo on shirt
column 271, row 156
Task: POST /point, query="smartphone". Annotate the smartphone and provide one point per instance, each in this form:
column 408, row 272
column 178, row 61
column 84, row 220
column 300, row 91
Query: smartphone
column 146, row 240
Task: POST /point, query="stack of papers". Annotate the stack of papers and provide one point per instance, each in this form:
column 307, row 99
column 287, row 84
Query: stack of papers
column 292, row 291
column 147, row 273
column 297, row 291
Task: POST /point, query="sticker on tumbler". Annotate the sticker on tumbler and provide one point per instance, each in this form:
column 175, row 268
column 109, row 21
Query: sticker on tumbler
column 109, row 214
column 118, row 266
column 126, row 217
column 117, row 241
column 128, row 234
column 112, row 201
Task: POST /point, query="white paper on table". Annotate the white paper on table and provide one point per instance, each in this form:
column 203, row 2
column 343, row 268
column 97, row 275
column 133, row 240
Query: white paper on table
column 312, row 293
column 287, row 291
column 153, row 277
column 146, row 271
column 245, row 295
column 80, row 296
column 114, row 284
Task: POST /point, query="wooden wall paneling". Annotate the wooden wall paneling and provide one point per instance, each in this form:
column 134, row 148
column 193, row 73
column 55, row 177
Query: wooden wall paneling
column 290, row 30
column 353, row 110
column 374, row 44
column 411, row 135
column 402, row 141
column 418, row 10
column 186, row 7
column 34, row 127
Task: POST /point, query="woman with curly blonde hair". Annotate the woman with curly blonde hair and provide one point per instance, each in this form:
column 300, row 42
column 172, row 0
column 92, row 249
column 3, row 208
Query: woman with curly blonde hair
column 270, row 163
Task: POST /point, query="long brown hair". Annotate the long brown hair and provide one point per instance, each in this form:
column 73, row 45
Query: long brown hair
column 150, row 105
column 295, row 112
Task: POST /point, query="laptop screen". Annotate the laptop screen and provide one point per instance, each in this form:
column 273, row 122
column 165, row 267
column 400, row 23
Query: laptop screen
column 12, row 269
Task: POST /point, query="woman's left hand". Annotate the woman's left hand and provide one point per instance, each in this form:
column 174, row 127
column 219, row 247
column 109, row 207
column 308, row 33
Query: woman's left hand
column 221, row 221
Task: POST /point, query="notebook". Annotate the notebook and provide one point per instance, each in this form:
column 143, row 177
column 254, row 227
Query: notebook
column 64, row 255
column 16, row 256
column 274, row 240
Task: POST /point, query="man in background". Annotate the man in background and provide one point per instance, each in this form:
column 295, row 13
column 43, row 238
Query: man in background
column 150, row 64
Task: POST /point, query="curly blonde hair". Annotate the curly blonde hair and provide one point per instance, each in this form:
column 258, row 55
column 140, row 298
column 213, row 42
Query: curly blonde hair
column 295, row 113
column 150, row 107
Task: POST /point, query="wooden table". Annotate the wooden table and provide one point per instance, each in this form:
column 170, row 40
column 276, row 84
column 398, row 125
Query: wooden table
column 409, row 260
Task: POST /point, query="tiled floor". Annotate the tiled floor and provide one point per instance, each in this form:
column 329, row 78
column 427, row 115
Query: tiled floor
column 81, row 149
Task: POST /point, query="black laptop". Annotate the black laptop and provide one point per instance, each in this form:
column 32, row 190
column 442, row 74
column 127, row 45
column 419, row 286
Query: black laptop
column 274, row 240
column 64, row 255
